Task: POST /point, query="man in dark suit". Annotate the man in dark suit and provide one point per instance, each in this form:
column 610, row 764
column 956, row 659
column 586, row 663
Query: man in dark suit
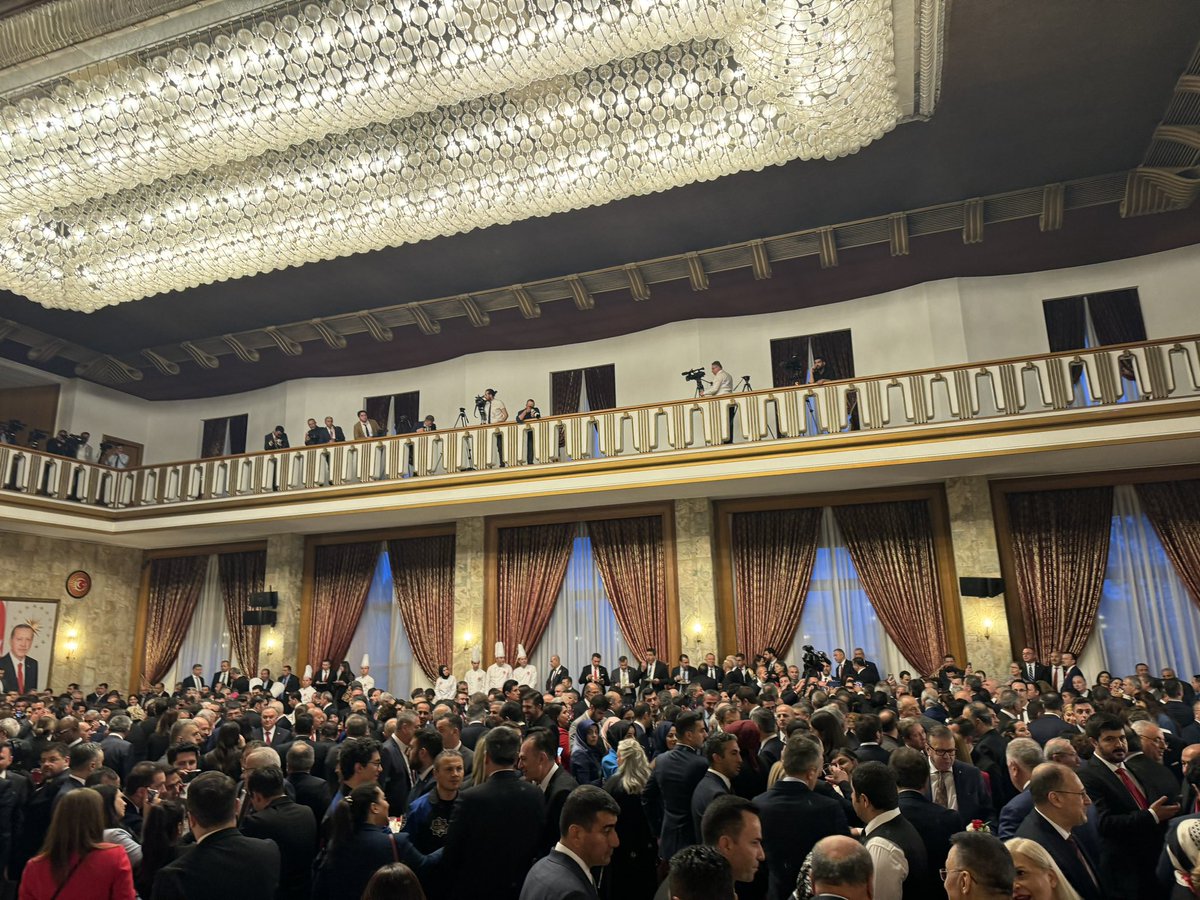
column 956, row 785
column 539, row 752
column 323, row 678
column 1191, row 732
column 625, row 679
column 292, row 826
column 724, row 762
column 196, row 679
column 865, row 671
column 589, row 836
column 934, row 823
column 1133, row 805
column 222, row 862
column 333, row 432
column 654, row 671
column 1070, row 665
column 1022, row 756
column 270, row 733
column 309, row 790
column 241, row 682
column 684, row 673
column 1056, row 823
column 315, row 434
column 668, row 793
column 397, row 778
column 558, row 672
column 505, row 814
column 988, row 753
column 1050, row 724
column 877, row 804
column 710, row 675
column 595, row 673
column 18, row 669
column 794, row 817
column 1031, row 669
column 1180, row 712
column 118, row 752
column 869, row 748
column 288, row 681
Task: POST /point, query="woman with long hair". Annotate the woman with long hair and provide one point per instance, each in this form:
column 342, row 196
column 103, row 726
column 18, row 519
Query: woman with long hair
column 560, row 714
column 632, row 874
column 395, row 881
column 359, row 843
column 162, row 832
column 446, row 685
column 75, row 862
column 156, row 744
column 478, row 773
column 752, row 779
column 226, row 756
column 828, row 728
column 114, row 831
column 1038, row 875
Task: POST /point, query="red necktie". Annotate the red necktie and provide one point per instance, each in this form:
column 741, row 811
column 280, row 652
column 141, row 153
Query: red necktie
column 20, row 677
column 1082, row 859
column 1138, row 797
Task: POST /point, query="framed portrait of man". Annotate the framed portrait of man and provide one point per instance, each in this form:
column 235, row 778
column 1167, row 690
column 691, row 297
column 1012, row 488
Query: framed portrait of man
column 27, row 628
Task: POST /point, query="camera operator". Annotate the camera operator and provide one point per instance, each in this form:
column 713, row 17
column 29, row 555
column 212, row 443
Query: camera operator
column 722, row 381
column 427, row 425
column 60, row 444
column 493, row 411
column 83, row 447
column 529, row 412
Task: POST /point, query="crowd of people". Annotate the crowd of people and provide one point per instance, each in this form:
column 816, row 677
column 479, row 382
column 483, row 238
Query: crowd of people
column 748, row 778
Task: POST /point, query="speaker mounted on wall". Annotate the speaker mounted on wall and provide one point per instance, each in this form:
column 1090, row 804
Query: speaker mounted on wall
column 259, row 617
column 981, row 587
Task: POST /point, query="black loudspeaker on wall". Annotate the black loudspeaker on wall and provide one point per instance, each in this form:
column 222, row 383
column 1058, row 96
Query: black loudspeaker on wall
column 981, row 587
column 263, row 600
column 259, row 617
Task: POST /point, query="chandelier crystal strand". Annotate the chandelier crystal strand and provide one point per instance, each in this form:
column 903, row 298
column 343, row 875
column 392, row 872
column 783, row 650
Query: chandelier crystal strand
column 322, row 68
column 664, row 119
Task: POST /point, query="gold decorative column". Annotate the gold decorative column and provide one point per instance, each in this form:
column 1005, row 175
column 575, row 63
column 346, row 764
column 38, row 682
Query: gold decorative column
column 468, row 591
column 280, row 645
column 975, row 555
column 696, row 578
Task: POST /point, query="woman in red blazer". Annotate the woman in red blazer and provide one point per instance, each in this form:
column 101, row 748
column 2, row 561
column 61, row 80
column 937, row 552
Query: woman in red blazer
column 75, row 863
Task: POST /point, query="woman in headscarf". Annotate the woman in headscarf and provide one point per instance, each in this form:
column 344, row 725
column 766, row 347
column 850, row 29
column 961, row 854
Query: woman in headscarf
column 664, row 738
column 587, row 753
column 446, row 685
column 1183, row 851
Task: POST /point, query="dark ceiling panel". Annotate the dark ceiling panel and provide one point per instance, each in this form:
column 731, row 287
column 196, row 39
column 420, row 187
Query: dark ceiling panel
column 1033, row 92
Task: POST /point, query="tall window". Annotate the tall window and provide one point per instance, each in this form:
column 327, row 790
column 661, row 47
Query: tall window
column 583, row 621
column 396, row 413
column 837, row 612
column 792, row 357
column 1094, row 320
column 207, row 639
column 582, row 390
column 1146, row 614
column 224, row 436
column 382, row 636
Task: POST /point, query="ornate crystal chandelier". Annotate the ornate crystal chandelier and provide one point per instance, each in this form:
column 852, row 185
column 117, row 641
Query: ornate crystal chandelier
column 326, row 129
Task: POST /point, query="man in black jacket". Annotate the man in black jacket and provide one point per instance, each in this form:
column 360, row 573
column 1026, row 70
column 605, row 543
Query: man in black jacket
column 589, row 836
column 724, row 762
column 222, row 862
column 668, row 793
column 293, row 828
column 505, row 815
column 901, row 866
column 794, row 817
column 310, row 791
column 1059, row 806
column 935, row 824
column 539, row 751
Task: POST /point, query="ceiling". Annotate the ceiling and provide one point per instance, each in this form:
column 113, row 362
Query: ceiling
column 1032, row 93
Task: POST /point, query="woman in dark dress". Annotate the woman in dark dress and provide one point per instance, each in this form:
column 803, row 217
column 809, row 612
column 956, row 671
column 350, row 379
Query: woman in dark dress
column 633, row 872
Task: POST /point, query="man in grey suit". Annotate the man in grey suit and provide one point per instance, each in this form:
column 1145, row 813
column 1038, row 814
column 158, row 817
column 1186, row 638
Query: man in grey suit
column 1023, row 755
column 589, row 836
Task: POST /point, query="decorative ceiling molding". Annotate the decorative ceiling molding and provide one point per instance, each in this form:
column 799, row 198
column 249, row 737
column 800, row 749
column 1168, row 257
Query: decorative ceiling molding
column 1053, row 200
column 234, row 150
column 477, row 316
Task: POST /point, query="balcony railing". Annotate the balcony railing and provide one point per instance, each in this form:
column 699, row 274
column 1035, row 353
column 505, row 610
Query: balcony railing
column 1146, row 372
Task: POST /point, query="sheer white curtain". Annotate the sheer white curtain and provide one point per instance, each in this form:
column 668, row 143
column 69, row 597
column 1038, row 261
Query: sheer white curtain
column 583, row 622
column 837, row 612
column 382, row 636
column 1145, row 612
column 207, row 641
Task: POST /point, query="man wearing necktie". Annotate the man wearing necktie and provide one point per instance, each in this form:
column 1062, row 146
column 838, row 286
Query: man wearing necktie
column 1031, row 668
column 1133, row 807
column 595, row 673
column 710, row 674
column 334, row 431
column 20, row 670
column 1060, row 809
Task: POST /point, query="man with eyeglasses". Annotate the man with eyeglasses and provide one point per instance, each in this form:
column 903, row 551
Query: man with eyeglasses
column 978, row 868
column 1060, row 808
column 957, row 785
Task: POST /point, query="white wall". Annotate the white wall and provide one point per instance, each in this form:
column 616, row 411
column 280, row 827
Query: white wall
column 939, row 323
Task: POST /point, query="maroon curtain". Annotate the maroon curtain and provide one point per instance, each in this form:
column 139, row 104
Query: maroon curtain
column 379, row 409
column 212, row 442
column 1060, row 551
column 408, row 405
column 789, row 361
column 1066, row 323
column 565, row 388
column 342, row 575
column 1117, row 316
column 175, row 585
column 1174, row 510
column 601, row 384
column 242, row 574
column 423, row 575
column 531, row 562
column 629, row 555
column 891, row 546
column 773, row 552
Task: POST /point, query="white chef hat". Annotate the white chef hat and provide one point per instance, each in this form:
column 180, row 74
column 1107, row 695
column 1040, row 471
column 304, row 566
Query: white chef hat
column 521, row 652
column 499, row 649
column 308, row 671
column 476, row 653
column 366, row 660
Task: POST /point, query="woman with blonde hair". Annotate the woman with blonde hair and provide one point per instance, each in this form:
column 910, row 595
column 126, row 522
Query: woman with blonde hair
column 478, row 776
column 632, row 873
column 75, row 862
column 1038, row 875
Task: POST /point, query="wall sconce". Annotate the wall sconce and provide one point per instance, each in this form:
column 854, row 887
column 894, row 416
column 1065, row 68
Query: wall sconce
column 271, row 643
column 697, row 630
column 72, row 644
column 987, row 628
column 468, row 640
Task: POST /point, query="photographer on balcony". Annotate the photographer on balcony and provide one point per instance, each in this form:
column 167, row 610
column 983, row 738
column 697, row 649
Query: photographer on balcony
column 529, row 412
column 722, row 383
column 493, row 411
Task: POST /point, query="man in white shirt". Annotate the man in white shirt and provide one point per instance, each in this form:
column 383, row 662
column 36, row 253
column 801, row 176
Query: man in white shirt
column 499, row 671
column 895, row 845
column 589, row 836
column 495, row 412
column 364, row 675
column 722, row 384
column 476, row 678
column 523, row 672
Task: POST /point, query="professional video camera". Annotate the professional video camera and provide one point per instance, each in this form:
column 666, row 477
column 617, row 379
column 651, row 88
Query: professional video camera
column 11, row 429
column 105, row 446
column 36, row 436
column 695, row 375
column 814, row 661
